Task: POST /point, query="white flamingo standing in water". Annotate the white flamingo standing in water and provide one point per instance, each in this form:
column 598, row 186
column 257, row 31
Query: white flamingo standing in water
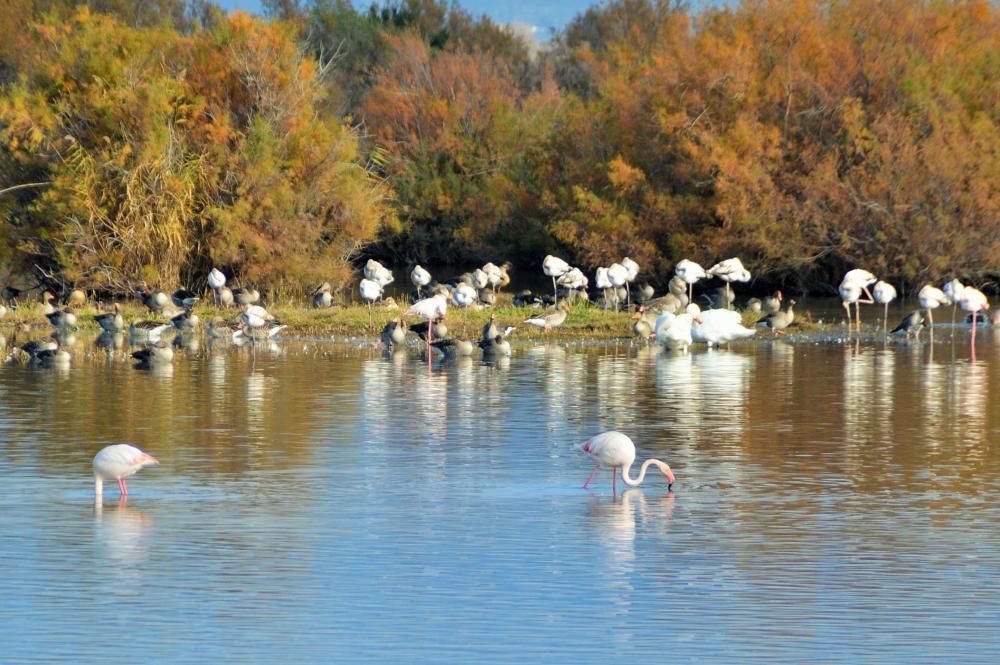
column 118, row 462
column 931, row 297
column 371, row 291
column 614, row 449
column 855, row 283
column 555, row 267
column 884, row 293
column 430, row 309
column 973, row 301
column 953, row 290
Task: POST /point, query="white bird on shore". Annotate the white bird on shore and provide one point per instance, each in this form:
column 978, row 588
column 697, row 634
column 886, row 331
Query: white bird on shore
column 690, row 272
column 554, row 267
column 217, row 280
column 603, row 282
column 616, row 450
column 884, row 293
column 674, row 330
column 420, row 278
column 118, row 462
column 719, row 326
column 377, row 272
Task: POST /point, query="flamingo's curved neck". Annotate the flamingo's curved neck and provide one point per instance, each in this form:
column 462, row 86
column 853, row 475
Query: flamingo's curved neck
column 642, row 472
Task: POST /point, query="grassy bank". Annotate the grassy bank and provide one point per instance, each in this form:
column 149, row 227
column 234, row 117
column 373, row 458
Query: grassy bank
column 584, row 321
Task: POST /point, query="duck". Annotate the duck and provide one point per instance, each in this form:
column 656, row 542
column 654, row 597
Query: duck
column 526, row 298
column 778, row 321
column 419, row 329
column 550, row 319
column 112, row 321
column 37, row 348
column 75, row 298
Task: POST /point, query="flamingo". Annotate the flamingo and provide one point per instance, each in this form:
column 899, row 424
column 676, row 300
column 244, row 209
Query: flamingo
column 953, row 290
column 730, row 270
column 855, row 283
column 377, row 272
column 690, row 272
column 618, row 276
column 973, row 301
column 465, row 297
column 371, row 291
column 575, row 282
column 430, row 309
column 554, row 267
column 216, row 280
column 931, row 298
column 884, row 293
column 615, row 450
column 495, row 274
column 632, row 270
column 118, row 462
column 420, row 278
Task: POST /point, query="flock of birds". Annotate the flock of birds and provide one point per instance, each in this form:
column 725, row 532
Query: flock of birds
column 673, row 320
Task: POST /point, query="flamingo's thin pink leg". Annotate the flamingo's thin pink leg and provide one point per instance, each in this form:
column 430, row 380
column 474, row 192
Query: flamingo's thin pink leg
column 592, row 474
column 614, row 482
column 122, row 486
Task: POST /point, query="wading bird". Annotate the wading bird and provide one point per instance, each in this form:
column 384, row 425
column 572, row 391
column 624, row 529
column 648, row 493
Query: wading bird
column 616, row 450
column 118, row 462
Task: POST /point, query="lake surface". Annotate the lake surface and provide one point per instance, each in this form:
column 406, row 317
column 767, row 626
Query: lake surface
column 324, row 502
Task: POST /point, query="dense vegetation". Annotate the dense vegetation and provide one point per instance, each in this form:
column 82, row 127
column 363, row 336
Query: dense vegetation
column 162, row 137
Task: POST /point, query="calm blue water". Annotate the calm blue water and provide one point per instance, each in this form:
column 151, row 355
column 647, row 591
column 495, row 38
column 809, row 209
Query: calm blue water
column 326, row 503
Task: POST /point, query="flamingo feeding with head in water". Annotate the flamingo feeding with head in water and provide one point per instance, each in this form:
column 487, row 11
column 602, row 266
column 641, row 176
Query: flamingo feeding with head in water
column 118, row 462
column 616, row 450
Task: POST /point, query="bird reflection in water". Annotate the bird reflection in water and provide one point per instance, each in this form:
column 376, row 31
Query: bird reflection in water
column 123, row 532
column 615, row 521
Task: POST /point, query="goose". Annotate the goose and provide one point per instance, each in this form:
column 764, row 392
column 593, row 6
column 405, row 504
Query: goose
column 454, row 347
column 526, row 298
column 393, row 333
column 48, row 303
column 184, row 298
column 155, row 352
column 76, row 298
column 224, row 297
column 112, row 321
column 550, row 319
column 641, row 327
column 155, row 301
column 220, row 328
column 495, row 346
column 186, row 321
column 322, row 296
column 62, row 318
column 771, row 303
column 778, row 321
column 491, row 330
column 911, row 324
column 246, row 296
column 141, row 329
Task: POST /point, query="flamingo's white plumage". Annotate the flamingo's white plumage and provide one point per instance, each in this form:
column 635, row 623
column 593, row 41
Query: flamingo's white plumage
column 674, row 330
column 690, row 272
column 420, row 278
column 931, row 297
column 616, row 450
column 216, row 279
column 884, row 293
column 854, row 284
column 730, row 270
column 118, row 462
column 554, row 267
column 973, row 301
column 430, row 309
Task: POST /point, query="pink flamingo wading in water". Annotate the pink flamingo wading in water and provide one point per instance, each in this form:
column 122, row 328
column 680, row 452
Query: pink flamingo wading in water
column 616, row 450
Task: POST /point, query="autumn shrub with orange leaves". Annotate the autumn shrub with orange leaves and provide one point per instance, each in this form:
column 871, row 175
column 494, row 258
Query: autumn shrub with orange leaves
column 169, row 153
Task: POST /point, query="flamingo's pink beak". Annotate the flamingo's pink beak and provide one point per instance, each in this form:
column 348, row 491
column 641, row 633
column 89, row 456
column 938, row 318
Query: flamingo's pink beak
column 149, row 460
column 670, row 477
